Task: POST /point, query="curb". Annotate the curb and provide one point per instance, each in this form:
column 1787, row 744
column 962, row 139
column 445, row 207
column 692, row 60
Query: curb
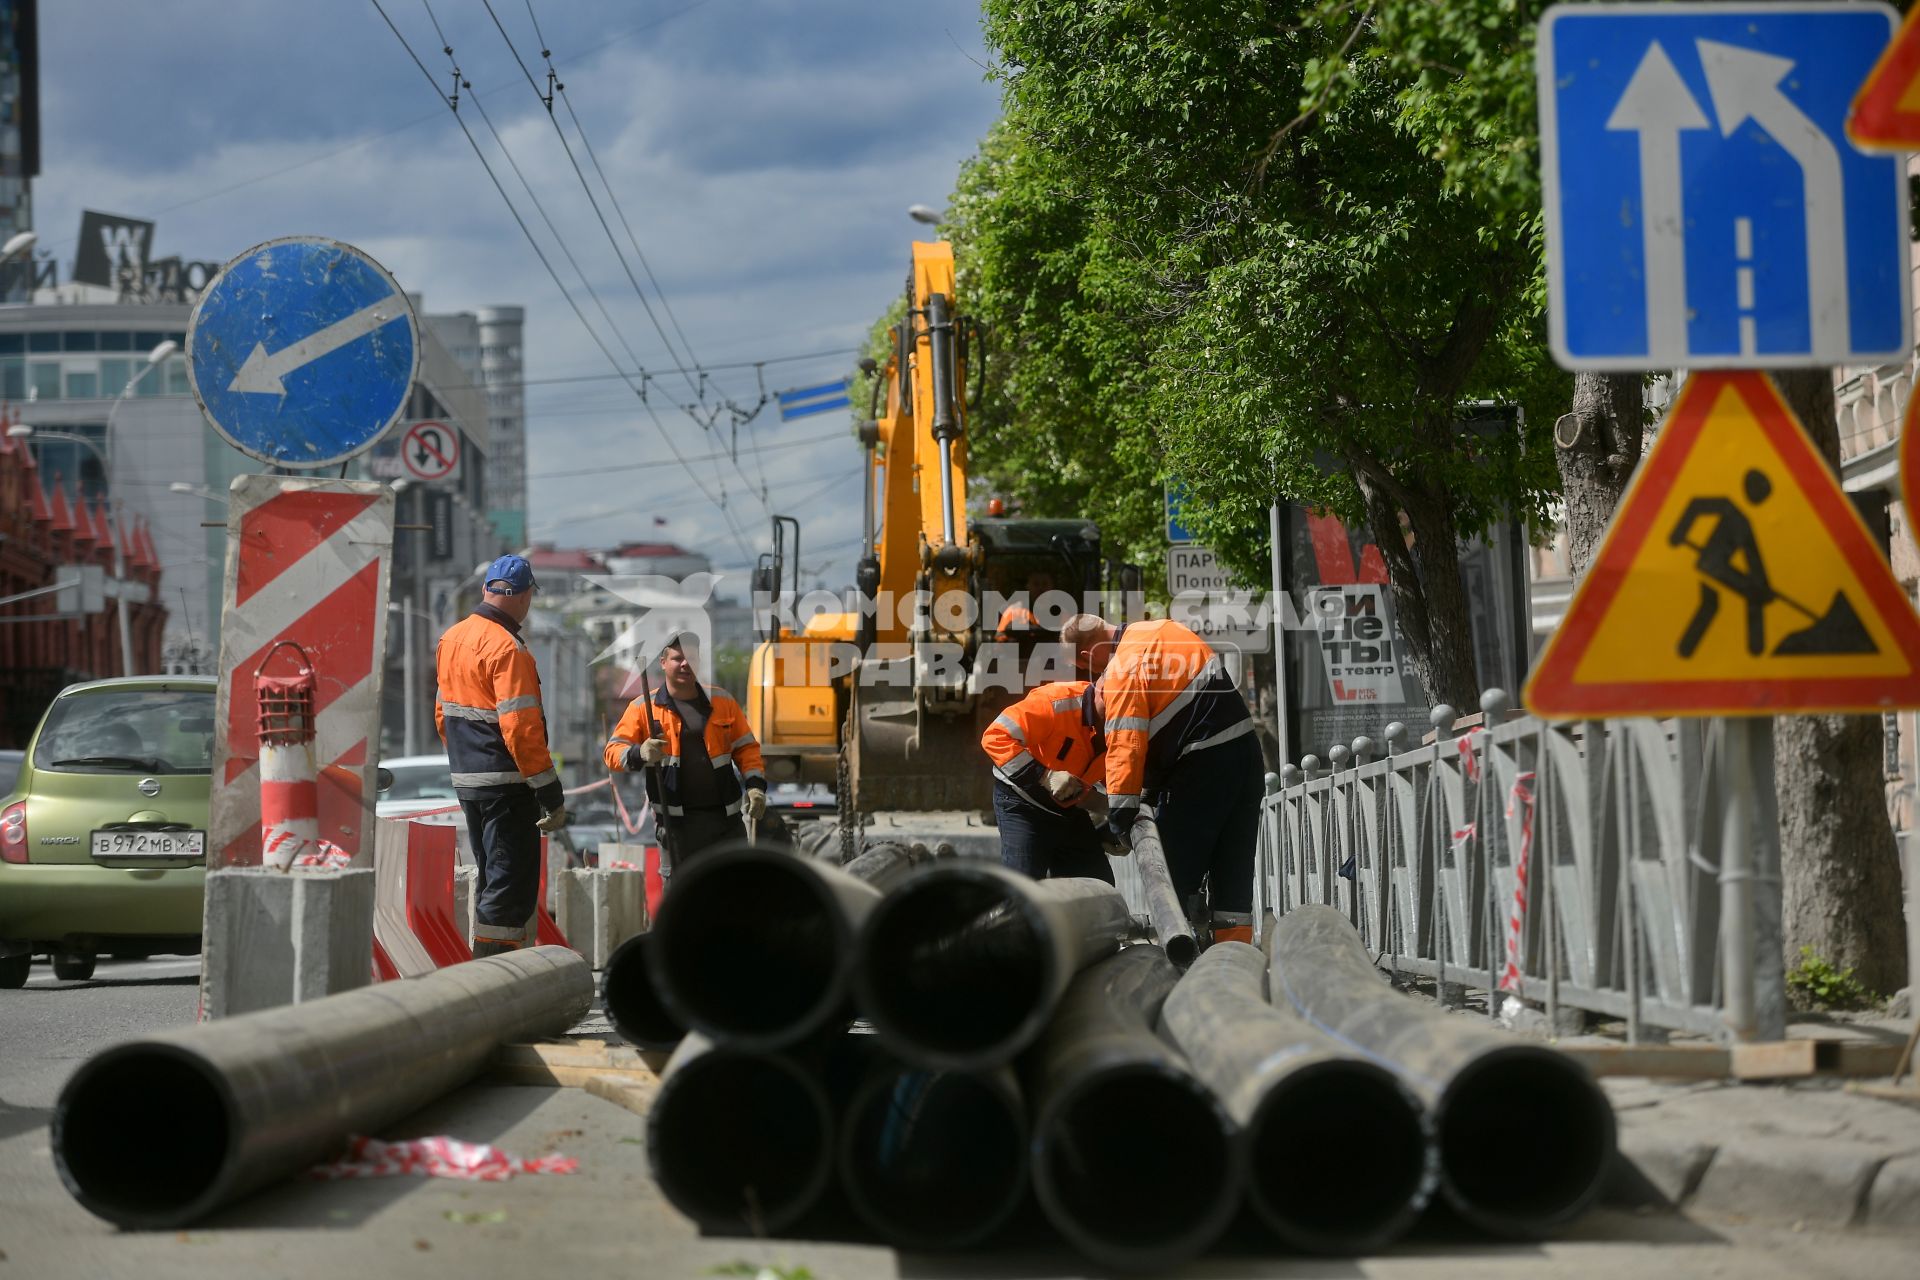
column 1830, row 1184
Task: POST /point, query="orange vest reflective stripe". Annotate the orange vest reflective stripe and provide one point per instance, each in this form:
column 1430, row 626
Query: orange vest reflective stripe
column 1166, row 694
column 1044, row 731
column 488, row 710
column 730, row 743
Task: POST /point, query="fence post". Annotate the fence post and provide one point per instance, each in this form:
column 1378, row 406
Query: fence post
column 1394, row 733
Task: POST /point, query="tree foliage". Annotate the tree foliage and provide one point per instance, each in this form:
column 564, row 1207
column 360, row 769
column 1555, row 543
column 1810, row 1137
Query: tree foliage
column 1265, row 248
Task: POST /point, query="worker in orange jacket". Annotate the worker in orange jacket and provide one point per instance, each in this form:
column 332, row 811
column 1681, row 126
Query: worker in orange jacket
column 1048, row 759
column 1179, row 737
column 488, row 713
column 710, row 770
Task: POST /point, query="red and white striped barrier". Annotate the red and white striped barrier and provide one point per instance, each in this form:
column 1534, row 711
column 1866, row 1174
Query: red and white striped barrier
column 1519, row 800
column 309, row 563
column 289, row 793
column 436, row 1158
column 417, row 927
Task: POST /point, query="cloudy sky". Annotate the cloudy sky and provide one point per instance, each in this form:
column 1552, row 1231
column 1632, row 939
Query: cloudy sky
column 763, row 151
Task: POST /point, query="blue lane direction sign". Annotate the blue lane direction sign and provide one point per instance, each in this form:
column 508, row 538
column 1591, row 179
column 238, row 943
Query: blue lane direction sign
column 1177, row 534
column 302, row 351
column 1704, row 206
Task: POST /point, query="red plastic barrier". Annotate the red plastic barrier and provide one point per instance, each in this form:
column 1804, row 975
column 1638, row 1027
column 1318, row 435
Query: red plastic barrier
column 430, row 901
column 546, row 928
column 656, row 883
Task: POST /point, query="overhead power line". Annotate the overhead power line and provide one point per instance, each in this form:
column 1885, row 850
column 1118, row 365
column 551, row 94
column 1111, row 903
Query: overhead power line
column 545, row 262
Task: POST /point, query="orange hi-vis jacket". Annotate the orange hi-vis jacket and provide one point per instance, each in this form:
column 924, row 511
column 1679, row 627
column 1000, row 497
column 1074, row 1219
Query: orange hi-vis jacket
column 730, row 742
column 488, row 710
column 1017, row 616
column 1045, row 730
column 1167, row 694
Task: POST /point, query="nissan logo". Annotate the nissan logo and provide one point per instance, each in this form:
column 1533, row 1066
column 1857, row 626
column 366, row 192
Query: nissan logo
column 149, row 786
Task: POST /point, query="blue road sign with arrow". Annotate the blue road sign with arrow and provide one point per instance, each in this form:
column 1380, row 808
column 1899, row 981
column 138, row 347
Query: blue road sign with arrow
column 1704, row 206
column 302, row 351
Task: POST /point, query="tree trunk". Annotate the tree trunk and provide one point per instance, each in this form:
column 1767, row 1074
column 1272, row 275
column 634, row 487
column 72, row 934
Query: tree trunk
column 1838, row 859
column 1429, row 597
column 1599, row 444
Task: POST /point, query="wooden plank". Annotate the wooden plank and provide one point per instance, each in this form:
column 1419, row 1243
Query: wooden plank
column 1907, row 1094
column 570, row 1064
column 1664, row 1061
column 1776, row 1060
column 635, row 1093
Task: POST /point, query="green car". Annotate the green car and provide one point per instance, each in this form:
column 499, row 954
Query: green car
column 103, row 837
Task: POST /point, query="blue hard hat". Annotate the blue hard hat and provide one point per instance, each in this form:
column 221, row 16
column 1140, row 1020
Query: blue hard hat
column 509, row 576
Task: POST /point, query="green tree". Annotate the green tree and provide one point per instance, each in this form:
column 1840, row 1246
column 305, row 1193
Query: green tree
column 1258, row 297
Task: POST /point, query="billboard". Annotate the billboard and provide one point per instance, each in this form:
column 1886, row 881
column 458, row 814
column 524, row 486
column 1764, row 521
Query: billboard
column 114, row 250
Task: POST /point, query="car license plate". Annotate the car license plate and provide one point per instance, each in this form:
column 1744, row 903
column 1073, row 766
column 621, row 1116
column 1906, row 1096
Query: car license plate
column 111, row 845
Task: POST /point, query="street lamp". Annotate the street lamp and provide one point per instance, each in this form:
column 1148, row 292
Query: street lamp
column 196, row 491
column 21, row 431
column 924, row 213
column 17, row 244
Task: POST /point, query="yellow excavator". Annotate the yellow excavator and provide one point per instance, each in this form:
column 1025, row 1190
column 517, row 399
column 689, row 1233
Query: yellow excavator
column 887, row 699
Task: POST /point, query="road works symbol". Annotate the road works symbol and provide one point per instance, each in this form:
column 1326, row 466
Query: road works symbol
column 1736, row 579
column 1886, row 113
column 430, row 450
column 1703, row 205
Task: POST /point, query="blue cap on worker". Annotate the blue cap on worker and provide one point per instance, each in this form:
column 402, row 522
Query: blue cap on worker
column 509, row 576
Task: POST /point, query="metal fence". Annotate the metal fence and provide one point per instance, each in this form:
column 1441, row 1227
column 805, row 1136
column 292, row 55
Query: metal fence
column 1576, row 866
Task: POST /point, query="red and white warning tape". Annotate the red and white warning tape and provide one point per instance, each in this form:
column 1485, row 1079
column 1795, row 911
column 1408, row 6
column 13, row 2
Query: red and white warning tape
column 1469, row 759
column 436, row 1158
column 454, row 808
column 1521, row 799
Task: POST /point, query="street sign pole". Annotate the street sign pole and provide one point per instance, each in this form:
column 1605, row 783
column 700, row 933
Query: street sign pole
column 1736, row 878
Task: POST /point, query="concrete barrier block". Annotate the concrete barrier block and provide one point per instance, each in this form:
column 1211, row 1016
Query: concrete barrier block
column 599, row 910
column 466, row 894
column 274, row 939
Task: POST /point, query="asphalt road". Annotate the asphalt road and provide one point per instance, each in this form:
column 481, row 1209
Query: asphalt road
column 609, row 1218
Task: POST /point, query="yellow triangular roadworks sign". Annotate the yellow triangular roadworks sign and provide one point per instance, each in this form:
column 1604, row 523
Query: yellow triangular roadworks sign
column 1735, row 579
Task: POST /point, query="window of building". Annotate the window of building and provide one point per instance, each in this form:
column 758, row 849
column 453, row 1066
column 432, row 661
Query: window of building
column 155, row 383
column 83, row 384
column 176, row 375
column 13, row 380
column 116, row 340
column 12, row 344
column 43, row 380
column 86, row 340
column 43, row 342
column 114, row 375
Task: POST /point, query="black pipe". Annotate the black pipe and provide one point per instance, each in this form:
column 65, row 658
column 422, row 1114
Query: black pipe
column 753, row 945
column 158, row 1132
column 885, row 863
column 740, row 1142
column 1168, row 919
column 1134, row 1159
column 632, row 1004
column 1338, row 1156
column 934, row 1159
column 1526, row 1137
column 961, row 964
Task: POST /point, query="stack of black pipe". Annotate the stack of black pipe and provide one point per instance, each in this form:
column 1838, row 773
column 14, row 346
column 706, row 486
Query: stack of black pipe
column 1010, row 1038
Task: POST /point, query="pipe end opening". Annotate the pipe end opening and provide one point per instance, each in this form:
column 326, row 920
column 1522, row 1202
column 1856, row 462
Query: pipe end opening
column 1526, row 1139
column 751, row 947
column 740, row 1143
column 1338, row 1158
column 934, row 1159
column 956, row 968
column 141, row 1136
column 632, row 1003
column 1088, row 1166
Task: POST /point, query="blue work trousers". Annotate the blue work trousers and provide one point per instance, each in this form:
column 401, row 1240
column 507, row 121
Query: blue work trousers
column 1041, row 842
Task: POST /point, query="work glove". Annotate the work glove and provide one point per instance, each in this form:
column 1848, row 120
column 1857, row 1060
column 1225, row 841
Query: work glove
column 554, row 819
column 1114, row 843
column 652, row 751
column 754, row 804
column 1063, row 786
